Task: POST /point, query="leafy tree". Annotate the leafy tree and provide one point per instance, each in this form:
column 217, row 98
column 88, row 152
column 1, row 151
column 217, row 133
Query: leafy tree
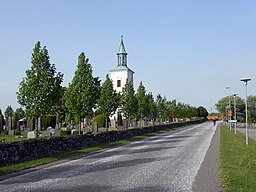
column 40, row 89
column 109, row 100
column 142, row 101
column 128, row 101
column 15, row 119
column 161, row 106
column 60, row 107
column 223, row 103
column 152, row 108
column 8, row 112
column 68, row 118
column 1, row 121
column 202, row 112
column 83, row 91
column 58, row 118
column 251, row 101
column 20, row 113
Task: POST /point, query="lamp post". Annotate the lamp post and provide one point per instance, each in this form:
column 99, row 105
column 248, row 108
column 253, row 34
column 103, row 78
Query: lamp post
column 245, row 80
column 229, row 105
column 234, row 94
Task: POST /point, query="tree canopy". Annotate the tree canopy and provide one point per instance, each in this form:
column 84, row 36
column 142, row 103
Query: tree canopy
column 84, row 90
column 40, row 89
column 109, row 100
column 8, row 112
column 128, row 102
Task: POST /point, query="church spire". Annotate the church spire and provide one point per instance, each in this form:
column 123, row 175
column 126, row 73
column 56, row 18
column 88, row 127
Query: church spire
column 122, row 55
column 121, row 48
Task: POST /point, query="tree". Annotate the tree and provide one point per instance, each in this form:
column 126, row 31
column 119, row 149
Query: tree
column 20, row 113
column 109, row 100
column 223, row 104
column 1, row 121
column 8, row 112
column 251, row 101
column 83, row 91
column 161, row 106
column 142, row 101
column 152, row 109
column 68, row 118
column 129, row 101
column 40, row 89
column 202, row 112
column 60, row 106
column 15, row 119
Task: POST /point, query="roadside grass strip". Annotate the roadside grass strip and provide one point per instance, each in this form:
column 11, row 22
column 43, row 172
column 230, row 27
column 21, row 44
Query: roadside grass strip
column 5, row 169
column 238, row 161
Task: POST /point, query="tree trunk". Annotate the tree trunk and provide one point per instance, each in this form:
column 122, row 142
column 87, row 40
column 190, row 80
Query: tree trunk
column 106, row 123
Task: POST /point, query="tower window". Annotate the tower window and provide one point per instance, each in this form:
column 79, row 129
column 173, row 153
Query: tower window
column 118, row 83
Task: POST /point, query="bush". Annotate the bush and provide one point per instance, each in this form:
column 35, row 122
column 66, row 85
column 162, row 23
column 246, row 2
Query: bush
column 75, row 132
column 6, row 132
column 17, row 133
column 65, row 132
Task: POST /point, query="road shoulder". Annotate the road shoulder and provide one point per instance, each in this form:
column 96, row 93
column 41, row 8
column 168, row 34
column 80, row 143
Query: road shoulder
column 208, row 176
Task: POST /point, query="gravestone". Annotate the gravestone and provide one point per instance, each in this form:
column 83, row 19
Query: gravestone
column 46, row 133
column 9, row 124
column 133, row 123
column 10, row 132
column 102, row 129
column 32, row 124
column 31, row 135
column 95, row 128
column 113, row 123
column 56, row 132
column 86, row 130
column 39, row 124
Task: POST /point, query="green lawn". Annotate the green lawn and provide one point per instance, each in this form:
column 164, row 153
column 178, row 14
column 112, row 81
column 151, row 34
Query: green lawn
column 12, row 138
column 238, row 161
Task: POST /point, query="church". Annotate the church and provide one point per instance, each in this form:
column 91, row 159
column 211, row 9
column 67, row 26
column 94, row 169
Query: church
column 121, row 73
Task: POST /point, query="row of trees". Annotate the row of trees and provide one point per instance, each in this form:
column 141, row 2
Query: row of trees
column 15, row 116
column 41, row 93
column 222, row 106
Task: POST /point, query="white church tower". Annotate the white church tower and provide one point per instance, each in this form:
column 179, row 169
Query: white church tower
column 121, row 73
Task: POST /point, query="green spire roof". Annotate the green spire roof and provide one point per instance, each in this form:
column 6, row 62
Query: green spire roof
column 121, row 48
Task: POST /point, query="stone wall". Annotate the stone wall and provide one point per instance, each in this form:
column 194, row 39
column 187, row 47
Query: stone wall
column 35, row 148
column 243, row 125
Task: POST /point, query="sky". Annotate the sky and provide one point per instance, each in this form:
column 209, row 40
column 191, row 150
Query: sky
column 182, row 49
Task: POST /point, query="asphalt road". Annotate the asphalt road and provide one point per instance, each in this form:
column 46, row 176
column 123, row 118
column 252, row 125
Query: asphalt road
column 167, row 162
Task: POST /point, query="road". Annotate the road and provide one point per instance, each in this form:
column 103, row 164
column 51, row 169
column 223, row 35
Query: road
column 166, row 162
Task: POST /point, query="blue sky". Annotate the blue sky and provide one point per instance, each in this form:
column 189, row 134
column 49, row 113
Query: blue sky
column 183, row 49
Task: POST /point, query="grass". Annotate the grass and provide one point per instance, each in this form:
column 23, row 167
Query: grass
column 12, row 138
column 51, row 158
column 238, row 161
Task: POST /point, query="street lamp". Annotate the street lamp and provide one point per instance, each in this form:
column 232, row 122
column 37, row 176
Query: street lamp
column 235, row 94
column 245, row 80
column 229, row 105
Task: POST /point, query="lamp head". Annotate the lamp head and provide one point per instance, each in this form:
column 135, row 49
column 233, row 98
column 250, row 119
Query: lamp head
column 245, row 79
